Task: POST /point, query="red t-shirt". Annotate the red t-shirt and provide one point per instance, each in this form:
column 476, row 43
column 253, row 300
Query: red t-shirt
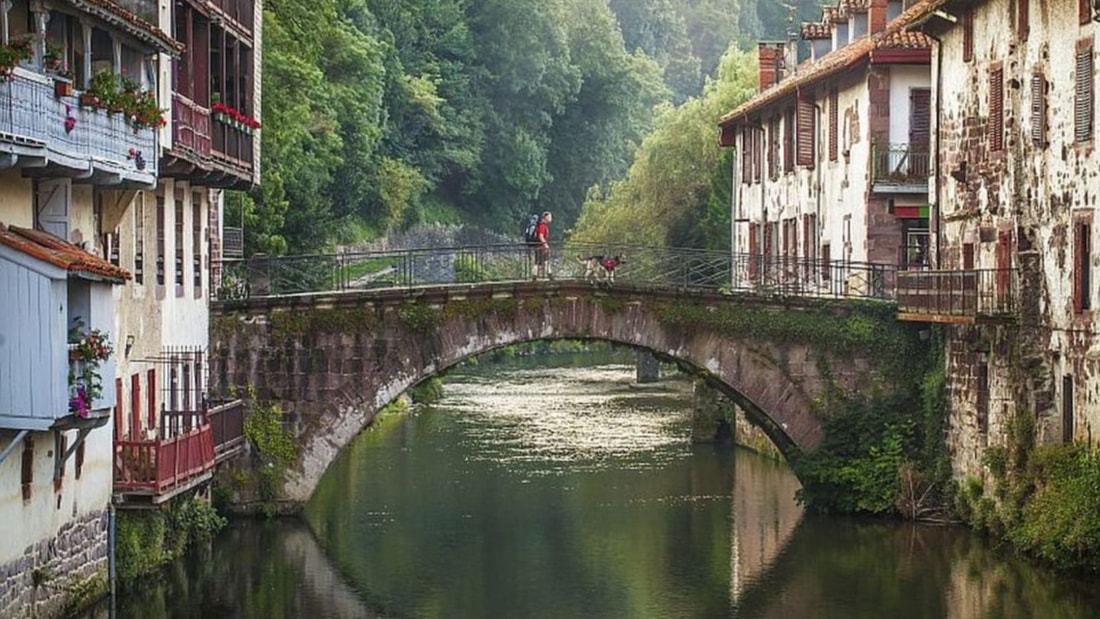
column 542, row 232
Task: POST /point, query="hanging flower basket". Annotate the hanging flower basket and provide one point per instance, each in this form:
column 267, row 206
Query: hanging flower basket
column 87, row 349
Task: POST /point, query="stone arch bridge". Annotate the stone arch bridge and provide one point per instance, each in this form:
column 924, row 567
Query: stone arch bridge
column 331, row 361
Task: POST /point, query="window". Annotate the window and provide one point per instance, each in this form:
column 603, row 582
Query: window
column 27, row 472
column 160, row 240
column 773, row 148
column 968, row 256
column 757, row 154
column 151, row 398
column 789, row 140
column 996, row 124
column 981, row 392
column 1082, row 111
column 196, row 242
column 807, row 133
column 139, row 240
column 1039, row 110
column 179, row 242
column 746, row 155
column 1082, row 272
column 825, row 260
column 968, row 34
column 1067, row 408
column 1023, row 19
column 834, row 119
column 1084, row 11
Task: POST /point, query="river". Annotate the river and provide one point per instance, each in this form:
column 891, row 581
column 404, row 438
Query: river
column 538, row 491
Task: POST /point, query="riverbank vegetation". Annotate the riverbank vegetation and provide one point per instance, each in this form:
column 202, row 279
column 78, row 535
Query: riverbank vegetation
column 148, row 539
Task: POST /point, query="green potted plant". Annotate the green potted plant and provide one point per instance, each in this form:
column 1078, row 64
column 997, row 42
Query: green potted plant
column 87, row 349
column 104, row 90
column 19, row 49
column 54, row 62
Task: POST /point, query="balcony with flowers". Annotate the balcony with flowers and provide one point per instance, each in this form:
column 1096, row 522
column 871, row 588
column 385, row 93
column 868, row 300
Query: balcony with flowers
column 83, row 115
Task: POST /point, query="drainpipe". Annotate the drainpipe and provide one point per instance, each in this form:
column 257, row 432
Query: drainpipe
column 937, row 254
column 733, row 219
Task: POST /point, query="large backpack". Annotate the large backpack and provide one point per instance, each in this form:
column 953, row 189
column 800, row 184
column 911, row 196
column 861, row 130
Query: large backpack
column 530, row 231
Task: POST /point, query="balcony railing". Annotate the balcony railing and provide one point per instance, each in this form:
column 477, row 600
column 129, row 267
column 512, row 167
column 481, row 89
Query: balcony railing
column 240, row 12
column 956, row 296
column 164, row 467
column 234, row 145
column 900, row 164
column 40, row 125
column 190, row 126
column 227, row 421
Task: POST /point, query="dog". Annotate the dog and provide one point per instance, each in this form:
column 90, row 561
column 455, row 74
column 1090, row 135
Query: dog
column 601, row 269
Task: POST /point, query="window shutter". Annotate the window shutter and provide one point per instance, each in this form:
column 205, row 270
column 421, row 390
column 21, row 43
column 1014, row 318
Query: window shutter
column 757, row 154
column 834, row 119
column 807, row 133
column 746, row 155
column 1084, row 11
column 1082, row 113
column 789, row 140
column 1023, row 19
column 1038, row 110
column 996, row 108
column 920, row 117
column 968, row 34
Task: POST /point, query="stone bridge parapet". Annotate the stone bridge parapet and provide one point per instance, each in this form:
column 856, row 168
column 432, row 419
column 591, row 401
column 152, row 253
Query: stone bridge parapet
column 332, row 361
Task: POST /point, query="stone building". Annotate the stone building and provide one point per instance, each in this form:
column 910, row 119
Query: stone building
column 833, row 154
column 121, row 125
column 1013, row 200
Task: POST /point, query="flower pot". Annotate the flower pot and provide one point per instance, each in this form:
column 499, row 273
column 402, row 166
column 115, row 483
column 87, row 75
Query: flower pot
column 87, row 99
column 62, row 88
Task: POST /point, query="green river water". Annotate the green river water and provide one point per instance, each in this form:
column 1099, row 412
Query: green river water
column 568, row 492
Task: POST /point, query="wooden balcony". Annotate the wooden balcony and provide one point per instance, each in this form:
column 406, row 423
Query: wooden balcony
column 189, row 446
column 241, row 14
column 900, row 168
column 956, row 297
column 190, row 127
column 101, row 148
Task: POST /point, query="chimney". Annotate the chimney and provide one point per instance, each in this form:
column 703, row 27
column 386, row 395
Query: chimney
column 876, row 16
column 770, row 55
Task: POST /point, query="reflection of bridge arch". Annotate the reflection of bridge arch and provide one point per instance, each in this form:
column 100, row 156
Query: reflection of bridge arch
column 332, row 361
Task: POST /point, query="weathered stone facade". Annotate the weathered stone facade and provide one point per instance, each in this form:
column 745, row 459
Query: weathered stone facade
column 830, row 163
column 331, row 362
column 53, row 574
column 1016, row 187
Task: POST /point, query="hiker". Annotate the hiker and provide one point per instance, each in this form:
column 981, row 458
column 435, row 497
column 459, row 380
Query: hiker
column 542, row 247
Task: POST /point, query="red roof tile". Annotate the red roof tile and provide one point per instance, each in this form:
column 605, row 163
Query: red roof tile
column 814, row 30
column 895, row 36
column 53, row 250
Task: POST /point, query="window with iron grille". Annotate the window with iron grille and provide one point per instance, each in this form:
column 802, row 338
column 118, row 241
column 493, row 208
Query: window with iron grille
column 139, row 241
column 1083, row 107
column 834, row 120
column 1039, row 110
column 996, row 124
column 179, row 244
column 160, row 240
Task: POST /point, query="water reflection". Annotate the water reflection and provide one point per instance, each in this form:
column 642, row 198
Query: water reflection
column 566, row 493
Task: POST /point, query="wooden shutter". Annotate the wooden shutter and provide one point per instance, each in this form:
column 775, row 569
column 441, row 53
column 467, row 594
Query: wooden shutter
column 920, row 117
column 1038, row 110
column 773, row 148
column 151, row 398
column 996, row 108
column 135, row 407
column 746, row 155
column 757, row 154
column 1023, row 19
column 807, row 133
column 1082, row 112
column 1084, row 11
column 834, row 119
column 968, row 34
column 789, row 139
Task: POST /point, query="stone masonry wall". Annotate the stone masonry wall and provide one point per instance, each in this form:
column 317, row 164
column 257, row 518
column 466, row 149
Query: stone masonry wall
column 54, row 574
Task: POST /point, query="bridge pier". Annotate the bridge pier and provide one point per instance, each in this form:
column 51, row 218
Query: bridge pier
column 649, row 369
column 709, row 420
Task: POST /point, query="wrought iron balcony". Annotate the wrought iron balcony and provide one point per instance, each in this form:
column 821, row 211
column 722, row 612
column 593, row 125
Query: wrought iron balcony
column 900, row 168
column 960, row 297
column 57, row 134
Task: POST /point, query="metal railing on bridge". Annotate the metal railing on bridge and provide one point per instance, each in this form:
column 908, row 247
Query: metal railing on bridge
column 657, row 268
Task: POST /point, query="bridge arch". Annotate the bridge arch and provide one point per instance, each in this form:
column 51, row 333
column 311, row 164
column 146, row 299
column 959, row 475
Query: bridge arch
column 332, row 361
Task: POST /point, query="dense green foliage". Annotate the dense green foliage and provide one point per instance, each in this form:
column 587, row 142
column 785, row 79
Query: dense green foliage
column 148, row 539
column 273, row 446
column 383, row 113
